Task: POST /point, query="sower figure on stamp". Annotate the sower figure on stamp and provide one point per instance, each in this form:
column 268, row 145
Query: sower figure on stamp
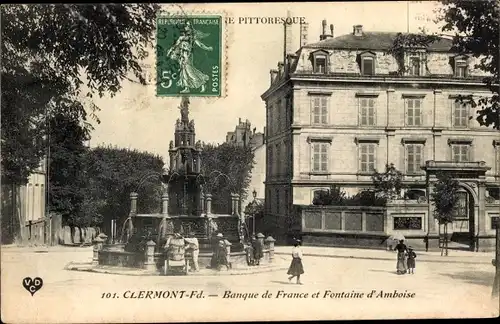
column 182, row 51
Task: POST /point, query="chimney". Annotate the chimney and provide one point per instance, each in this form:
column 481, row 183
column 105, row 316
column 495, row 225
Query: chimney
column 280, row 69
column 303, row 33
column 287, row 49
column 331, row 30
column 239, row 121
column 325, row 34
column 273, row 74
column 357, row 30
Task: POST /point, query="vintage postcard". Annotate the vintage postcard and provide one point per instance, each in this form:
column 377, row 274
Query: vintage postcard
column 250, row 161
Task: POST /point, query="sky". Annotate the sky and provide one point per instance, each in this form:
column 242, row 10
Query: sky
column 135, row 118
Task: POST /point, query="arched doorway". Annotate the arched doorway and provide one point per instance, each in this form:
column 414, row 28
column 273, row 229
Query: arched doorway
column 463, row 226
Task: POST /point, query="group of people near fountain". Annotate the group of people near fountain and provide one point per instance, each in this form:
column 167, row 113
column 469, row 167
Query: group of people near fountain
column 190, row 246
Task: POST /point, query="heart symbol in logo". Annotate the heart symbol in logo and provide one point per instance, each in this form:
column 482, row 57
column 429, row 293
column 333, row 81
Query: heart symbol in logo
column 32, row 285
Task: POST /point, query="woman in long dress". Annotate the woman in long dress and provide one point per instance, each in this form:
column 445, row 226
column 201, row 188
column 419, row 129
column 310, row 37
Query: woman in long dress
column 182, row 51
column 402, row 252
column 296, row 268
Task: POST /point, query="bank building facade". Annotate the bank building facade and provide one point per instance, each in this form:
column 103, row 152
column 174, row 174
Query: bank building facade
column 338, row 109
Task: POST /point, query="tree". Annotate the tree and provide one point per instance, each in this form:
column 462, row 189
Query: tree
column 112, row 174
column 227, row 169
column 475, row 29
column 333, row 196
column 388, row 185
column 48, row 51
column 445, row 198
column 66, row 168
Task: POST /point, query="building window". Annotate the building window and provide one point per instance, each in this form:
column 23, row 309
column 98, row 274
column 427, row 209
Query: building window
column 460, row 69
column 367, row 66
column 494, row 221
column 414, row 158
column 460, row 114
column 320, row 64
column 367, row 157
column 270, row 121
column 413, row 112
column 271, row 161
column 414, row 66
column 319, row 156
column 367, row 111
column 460, row 152
column 319, row 109
column 278, row 159
column 277, row 200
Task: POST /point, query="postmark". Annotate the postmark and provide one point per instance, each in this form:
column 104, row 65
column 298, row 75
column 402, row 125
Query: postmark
column 189, row 55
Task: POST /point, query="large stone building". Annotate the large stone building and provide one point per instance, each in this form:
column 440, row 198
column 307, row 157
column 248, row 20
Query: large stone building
column 244, row 135
column 341, row 107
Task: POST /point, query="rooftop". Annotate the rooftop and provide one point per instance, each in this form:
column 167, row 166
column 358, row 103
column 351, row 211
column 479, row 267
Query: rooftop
column 373, row 41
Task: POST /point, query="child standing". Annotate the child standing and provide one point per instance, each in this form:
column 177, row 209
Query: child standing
column 411, row 260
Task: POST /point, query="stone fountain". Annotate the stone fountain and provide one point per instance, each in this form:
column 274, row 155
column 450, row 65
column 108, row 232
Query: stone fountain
column 185, row 208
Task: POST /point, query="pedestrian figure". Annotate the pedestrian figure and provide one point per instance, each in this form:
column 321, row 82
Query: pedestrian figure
column 296, row 267
column 402, row 250
column 250, row 251
column 258, row 249
column 193, row 248
column 219, row 256
column 411, row 260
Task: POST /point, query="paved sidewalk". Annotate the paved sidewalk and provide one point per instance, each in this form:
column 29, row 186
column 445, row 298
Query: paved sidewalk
column 454, row 256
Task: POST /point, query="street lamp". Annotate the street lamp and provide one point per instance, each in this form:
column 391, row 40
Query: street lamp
column 254, row 193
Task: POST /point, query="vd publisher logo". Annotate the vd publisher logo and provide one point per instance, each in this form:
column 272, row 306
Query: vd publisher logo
column 32, row 285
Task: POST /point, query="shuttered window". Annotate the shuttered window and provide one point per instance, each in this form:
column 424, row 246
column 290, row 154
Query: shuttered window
column 460, row 114
column 414, row 157
column 320, row 157
column 367, row 157
column 319, row 109
column 367, row 111
column 413, row 112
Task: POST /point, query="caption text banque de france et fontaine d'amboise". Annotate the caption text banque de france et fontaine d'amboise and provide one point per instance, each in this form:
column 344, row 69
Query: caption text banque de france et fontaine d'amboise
column 280, row 294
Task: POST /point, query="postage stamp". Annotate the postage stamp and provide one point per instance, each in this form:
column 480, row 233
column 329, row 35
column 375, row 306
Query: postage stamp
column 189, row 55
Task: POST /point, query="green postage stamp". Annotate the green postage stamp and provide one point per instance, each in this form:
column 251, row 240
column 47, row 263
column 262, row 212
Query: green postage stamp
column 189, row 55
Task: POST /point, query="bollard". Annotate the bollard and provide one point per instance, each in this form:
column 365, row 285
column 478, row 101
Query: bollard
column 98, row 242
column 150, row 264
column 228, row 253
column 270, row 242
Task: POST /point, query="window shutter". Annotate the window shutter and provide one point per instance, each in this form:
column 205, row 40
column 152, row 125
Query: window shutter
column 419, row 113
column 324, row 110
column 371, row 112
column 360, row 109
column 407, row 105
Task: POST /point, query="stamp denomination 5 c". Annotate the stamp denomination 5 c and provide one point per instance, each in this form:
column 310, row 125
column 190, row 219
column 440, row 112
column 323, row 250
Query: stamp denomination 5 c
column 189, row 55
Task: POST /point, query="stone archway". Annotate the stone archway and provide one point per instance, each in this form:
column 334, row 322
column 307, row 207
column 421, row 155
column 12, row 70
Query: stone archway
column 464, row 223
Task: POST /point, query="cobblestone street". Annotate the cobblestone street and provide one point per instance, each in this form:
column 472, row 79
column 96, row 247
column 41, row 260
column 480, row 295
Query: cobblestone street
column 439, row 289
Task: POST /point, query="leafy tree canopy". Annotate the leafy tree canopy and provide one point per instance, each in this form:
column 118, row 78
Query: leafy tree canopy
column 47, row 53
column 227, row 169
column 445, row 197
column 475, row 29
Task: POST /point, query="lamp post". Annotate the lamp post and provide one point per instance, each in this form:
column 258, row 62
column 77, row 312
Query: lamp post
column 254, row 193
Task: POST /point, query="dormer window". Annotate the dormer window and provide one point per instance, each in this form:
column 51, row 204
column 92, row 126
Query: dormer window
column 367, row 66
column 461, row 68
column 366, row 62
column 415, row 66
column 320, row 62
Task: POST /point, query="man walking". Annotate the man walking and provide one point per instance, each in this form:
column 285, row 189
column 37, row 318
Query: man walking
column 193, row 247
